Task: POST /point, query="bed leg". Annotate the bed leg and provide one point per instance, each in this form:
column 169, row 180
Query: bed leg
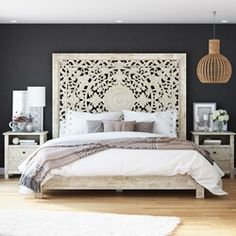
column 119, row 190
column 200, row 191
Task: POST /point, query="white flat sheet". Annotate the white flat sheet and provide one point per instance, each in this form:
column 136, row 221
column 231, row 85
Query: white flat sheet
column 126, row 162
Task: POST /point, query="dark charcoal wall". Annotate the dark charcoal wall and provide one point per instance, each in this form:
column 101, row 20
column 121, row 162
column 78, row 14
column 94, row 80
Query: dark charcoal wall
column 25, row 58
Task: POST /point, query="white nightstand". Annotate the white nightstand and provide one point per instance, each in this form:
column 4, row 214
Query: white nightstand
column 16, row 154
column 222, row 153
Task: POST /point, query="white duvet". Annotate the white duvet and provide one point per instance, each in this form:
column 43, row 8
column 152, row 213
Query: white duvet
column 127, row 162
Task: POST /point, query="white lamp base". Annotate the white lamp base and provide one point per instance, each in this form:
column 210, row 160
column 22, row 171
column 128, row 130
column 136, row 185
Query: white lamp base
column 37, row 115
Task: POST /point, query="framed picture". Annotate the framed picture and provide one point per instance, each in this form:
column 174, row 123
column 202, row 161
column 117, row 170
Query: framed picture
column 201, row 115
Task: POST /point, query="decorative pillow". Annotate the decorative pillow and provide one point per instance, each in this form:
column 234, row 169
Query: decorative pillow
column 95, row 126
column 76, row 122
column 164, row 121
column 112, row 125
column 143, row 126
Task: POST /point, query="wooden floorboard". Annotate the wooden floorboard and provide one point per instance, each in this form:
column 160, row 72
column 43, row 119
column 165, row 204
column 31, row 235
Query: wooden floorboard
column 210, row 216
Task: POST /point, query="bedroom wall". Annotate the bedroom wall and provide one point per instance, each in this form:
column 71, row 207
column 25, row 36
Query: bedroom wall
column 25, row 58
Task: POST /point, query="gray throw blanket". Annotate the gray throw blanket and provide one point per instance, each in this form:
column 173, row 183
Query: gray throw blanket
column 49, row 157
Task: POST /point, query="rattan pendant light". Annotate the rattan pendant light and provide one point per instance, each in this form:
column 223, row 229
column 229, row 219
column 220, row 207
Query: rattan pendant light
column 214, row 67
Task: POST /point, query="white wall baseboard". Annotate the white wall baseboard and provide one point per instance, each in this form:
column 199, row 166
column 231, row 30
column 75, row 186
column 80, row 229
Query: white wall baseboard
column 1, row 171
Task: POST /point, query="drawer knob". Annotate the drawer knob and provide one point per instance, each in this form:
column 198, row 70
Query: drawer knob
column 214, row 152
column 23, row 152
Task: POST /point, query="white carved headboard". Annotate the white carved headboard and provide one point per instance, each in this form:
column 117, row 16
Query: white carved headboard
column 112, row 82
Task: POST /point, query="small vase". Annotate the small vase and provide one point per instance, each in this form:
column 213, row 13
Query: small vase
column 29, row 127
column 220, row 126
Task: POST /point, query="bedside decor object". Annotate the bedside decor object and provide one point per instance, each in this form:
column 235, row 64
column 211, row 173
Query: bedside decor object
column 206, row 118
column 220, row 145
column 29, row 127
column 220, row 118
column 18, row 146
column 20, row 122
column 20, row 102
column 212, row 142
column 201, row 115
column 214, row 67
column 36, row 98
column 16, row 141
column 28, row 142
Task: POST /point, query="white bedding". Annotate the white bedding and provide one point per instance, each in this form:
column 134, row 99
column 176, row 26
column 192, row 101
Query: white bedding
column 126, row 162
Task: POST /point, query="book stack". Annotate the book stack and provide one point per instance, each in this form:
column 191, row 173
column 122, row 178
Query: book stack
column 28, row 142
column 212, row 142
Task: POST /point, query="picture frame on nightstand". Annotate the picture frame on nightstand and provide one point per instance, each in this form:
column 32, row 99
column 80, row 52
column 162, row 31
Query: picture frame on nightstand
column 202, row 116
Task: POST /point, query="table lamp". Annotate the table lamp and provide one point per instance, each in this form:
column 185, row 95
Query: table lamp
column 36, row 102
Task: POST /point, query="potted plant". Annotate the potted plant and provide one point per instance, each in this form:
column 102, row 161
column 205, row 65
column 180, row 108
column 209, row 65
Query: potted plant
column 220, row 118
column 20, row 122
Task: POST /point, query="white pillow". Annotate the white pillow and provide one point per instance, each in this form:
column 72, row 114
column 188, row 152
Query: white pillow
column 62, row 128
column 165, row 121
column 76, row 122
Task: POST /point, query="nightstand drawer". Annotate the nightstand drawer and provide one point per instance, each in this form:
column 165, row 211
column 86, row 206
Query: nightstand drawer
column 17, row 155
column 219, row 154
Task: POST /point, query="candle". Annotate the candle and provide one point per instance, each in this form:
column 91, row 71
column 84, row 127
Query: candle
column 205, row 117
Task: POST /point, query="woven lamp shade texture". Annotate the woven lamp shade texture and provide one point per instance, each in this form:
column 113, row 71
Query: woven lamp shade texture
column 214, row 67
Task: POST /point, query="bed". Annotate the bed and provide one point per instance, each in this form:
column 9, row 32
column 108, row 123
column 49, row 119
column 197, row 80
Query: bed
column 96, row 83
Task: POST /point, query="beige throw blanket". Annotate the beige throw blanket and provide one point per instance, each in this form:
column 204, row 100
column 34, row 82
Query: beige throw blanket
column 49, row 157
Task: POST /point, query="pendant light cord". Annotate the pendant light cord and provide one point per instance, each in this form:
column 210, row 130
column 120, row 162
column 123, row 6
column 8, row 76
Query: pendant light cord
column 214, row 24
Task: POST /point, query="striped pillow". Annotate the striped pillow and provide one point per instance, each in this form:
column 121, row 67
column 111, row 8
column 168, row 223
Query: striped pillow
column 114, row 125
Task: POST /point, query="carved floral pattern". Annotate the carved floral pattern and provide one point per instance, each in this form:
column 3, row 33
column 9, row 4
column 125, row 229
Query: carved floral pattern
column 110, row 85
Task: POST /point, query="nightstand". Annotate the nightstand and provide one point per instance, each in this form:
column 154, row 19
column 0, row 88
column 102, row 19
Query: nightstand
column 15, row 154
column 220, row 145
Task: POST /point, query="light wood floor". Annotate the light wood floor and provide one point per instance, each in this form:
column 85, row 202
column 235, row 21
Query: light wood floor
column 210, row 216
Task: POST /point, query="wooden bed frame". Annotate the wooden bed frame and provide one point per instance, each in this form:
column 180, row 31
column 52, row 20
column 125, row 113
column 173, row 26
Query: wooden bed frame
column 177, row 182
column 62, row 101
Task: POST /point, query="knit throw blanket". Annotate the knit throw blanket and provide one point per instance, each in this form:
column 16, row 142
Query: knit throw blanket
column 49, row 157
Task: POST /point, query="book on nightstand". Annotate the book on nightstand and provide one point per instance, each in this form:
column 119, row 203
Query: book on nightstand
column 212, row 142
column 27, row 142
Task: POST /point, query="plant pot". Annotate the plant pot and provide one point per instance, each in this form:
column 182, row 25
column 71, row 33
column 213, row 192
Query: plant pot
column 220, row 126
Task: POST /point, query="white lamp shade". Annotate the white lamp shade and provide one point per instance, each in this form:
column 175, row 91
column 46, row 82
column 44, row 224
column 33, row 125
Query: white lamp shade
column 36, row 96
column 19, row 102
